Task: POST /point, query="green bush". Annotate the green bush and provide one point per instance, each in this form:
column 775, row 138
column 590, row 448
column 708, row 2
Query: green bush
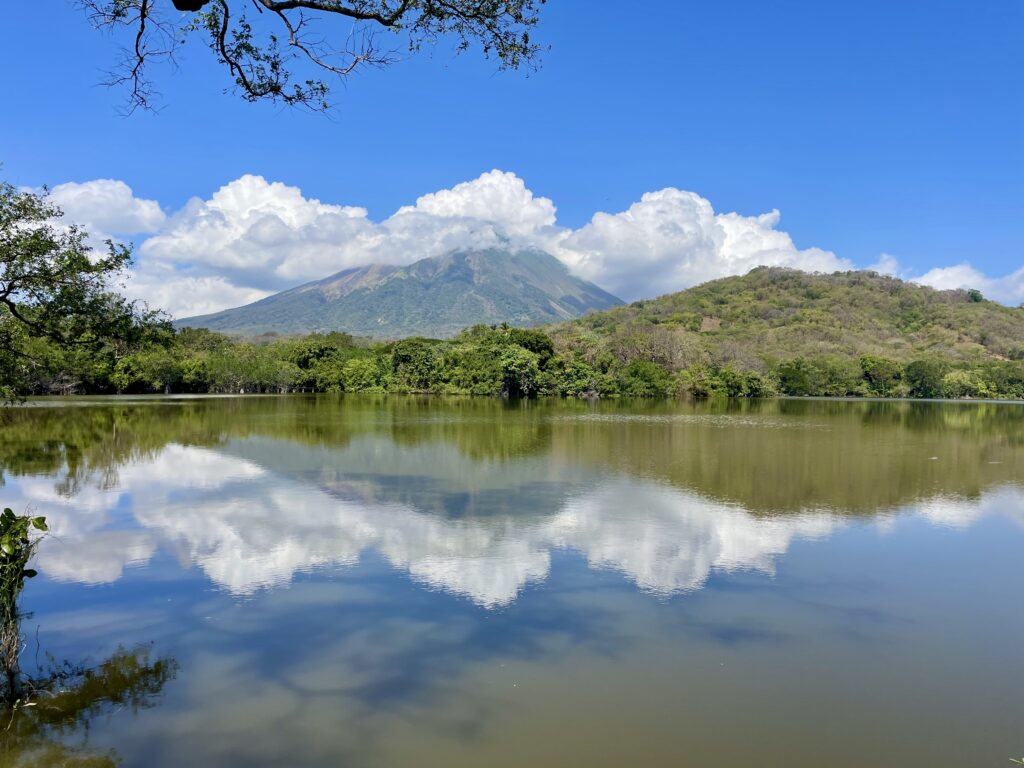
column 883, row 376
column 642, row 378
column 361, row 374
column 924, row 377
column 965, row 383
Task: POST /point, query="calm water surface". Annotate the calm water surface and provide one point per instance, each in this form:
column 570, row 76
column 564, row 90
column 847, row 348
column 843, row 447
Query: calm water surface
column 421, row 582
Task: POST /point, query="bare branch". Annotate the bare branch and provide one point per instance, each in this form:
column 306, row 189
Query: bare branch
column 154, row 40
column 365, row 54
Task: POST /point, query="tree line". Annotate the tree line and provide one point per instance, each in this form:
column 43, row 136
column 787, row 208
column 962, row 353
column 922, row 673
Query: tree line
column 482, row 360
column 65, row 329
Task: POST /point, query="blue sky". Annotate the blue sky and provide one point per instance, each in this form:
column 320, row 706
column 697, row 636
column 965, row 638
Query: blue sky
column 873, row 127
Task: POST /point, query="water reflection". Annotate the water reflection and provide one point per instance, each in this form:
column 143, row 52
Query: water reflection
column 474, row 583
column 473, row 499
column 49, row 729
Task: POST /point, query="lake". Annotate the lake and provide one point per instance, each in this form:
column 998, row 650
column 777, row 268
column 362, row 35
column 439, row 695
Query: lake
column 360, row 581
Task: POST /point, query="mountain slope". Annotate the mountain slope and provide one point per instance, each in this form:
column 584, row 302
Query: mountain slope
column 774, row 313
column 436, row 297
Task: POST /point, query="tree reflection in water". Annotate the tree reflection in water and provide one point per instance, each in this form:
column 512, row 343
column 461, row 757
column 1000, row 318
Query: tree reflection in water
column 49, row 727
column 45, row 713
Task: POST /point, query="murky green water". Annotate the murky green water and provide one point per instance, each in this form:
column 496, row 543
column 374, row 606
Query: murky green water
column 416, row 582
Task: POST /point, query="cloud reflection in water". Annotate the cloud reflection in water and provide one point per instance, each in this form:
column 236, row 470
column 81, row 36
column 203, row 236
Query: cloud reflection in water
column 250, row 528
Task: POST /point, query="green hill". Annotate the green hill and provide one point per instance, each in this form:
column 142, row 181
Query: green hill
column 772, row 313
column 435, row 297
column 771, row 331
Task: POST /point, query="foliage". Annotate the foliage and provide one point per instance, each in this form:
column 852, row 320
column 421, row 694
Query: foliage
column 499, row 360
column 16, row 549
column 773, row 314
column 63, row 697
column 622, row 352
column 924, row 377
column 882, row 375
column 781, row 330
column 57, row 309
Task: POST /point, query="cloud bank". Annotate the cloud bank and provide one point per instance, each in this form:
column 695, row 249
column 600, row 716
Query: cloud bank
column 253, row 237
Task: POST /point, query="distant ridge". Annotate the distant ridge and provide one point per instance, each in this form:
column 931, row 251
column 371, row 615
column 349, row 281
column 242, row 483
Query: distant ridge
column 435, row 297
column 772, row 313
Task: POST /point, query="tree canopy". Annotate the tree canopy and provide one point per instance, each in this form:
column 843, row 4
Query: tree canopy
column 55, row 289
column 283, row 51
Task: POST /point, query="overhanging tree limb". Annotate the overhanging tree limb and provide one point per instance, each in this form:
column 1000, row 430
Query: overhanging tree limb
column 264, row 67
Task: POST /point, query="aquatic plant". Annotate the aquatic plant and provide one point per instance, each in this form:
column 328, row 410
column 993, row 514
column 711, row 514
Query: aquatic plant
column 17, row 545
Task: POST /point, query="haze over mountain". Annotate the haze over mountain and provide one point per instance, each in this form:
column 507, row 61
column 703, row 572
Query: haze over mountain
column 437, row 297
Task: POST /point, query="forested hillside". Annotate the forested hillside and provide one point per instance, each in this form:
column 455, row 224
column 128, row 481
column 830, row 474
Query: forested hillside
column 852, row 333
column 774, row 313
column 771, row 331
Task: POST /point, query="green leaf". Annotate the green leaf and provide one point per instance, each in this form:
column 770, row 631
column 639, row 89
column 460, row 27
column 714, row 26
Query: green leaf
column 6, row 546
column 39, row 523
column 30, row 573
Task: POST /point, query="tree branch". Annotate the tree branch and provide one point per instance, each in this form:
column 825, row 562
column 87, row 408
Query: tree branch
column 262, row 70
column 327, row 6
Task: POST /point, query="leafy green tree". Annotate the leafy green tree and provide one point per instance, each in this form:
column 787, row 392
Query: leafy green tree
column 361, row 374
column 924, row 377
column 642, row 378
column 798, row 377
column 882, row 375
column 520, row 372
column 1005, row 378
column 535, row 341
column 700, row 381
column 830, row 376
column 965, row 383
column 157, row 369
column 54, row 287
column 414, row 365
column 574, row 377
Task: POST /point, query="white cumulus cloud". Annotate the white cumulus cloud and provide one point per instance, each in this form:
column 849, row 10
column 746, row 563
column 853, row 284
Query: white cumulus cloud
column 185, row 295
column 258, row 234
column 253, row 237
column 497, row 196
column 1008, row 289
column 673, row 239
column 107, row 208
